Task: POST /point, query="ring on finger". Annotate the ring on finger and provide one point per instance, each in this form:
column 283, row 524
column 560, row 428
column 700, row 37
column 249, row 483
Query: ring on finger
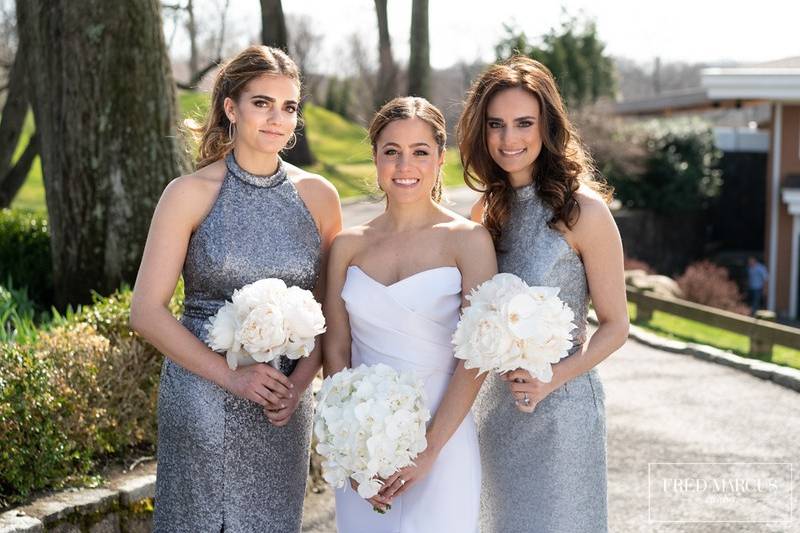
column 525, row 399
column 402, row 481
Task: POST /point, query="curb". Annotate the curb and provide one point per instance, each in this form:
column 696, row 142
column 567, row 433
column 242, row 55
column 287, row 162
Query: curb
column 780, row 375
column 66, row 509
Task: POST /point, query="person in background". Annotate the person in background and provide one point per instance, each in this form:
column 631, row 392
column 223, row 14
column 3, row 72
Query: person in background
column 757, row 278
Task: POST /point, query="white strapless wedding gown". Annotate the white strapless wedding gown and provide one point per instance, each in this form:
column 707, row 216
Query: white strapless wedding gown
column 408, row 326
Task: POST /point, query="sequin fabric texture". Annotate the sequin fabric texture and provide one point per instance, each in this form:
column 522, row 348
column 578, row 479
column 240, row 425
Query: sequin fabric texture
column 543, row 471
column 221, row 464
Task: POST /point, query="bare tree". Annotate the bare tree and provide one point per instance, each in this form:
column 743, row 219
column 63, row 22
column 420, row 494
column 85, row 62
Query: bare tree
column 13, row 174
column 14, row 111
column 387, row 71
column 273, row 33
column 104, row 100
column 419, row 64
column 304, row 47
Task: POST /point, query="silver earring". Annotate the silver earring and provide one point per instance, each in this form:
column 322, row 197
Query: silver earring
column 231, row 131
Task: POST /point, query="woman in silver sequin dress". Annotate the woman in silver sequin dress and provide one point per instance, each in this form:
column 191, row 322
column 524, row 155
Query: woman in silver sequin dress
column 233, row 445
column 543, row 445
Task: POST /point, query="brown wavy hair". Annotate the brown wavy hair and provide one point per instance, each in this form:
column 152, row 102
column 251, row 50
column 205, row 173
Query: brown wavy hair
column 562, row 165
column 409, row 107
column 212, row 135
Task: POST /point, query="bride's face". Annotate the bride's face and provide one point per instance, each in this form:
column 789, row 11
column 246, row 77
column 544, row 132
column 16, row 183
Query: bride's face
column 408, row 160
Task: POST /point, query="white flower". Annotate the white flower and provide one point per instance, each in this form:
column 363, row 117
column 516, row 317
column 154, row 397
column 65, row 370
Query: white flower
column 510, row 325
column 478, row 336
column 222, row 328
column 264, row 320
column 262, row 331
column 370, row 422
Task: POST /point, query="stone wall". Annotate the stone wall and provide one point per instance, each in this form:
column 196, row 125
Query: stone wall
column 126, row 506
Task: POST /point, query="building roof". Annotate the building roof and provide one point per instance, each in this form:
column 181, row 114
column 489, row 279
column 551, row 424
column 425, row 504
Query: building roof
column 727, row 87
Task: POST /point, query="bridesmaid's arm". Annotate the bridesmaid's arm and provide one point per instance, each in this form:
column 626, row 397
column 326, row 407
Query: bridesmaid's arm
column 336, row 340
column 477, row 261
column 182, row 206
column 322, row 200
column 596, row 238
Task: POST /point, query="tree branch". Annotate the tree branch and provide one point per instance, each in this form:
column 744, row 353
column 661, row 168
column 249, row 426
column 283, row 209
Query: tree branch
column 192, row 84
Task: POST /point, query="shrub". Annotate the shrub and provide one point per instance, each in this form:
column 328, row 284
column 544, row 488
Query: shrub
column 709, row 284
column 636, row 264
column 664, row 165
column 36, row 451
column 83, row 392
column 25, row 253
column 17, row 315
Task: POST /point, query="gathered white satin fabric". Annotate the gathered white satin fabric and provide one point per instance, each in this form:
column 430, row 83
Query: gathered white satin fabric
column 408, row 325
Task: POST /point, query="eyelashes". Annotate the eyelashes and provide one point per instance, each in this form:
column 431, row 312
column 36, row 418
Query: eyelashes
column 391, row 152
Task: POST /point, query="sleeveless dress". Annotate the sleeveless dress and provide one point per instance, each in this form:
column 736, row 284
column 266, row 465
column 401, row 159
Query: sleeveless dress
column 543, row 472
column 408, row 326
column 221, row 464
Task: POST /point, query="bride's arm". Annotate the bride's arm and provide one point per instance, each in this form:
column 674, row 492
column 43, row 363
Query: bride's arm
column 336, row 340
column 477, row 262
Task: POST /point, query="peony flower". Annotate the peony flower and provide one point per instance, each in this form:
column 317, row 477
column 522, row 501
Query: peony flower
column 510, row 325
column 265, row 320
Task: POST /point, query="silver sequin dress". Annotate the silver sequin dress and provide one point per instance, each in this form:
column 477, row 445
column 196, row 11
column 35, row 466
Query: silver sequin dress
column 221, row 464
column 543, row 472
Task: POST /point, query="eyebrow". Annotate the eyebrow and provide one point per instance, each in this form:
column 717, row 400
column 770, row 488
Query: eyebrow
column 270, row 98
column 412, row 145
column 527, row 117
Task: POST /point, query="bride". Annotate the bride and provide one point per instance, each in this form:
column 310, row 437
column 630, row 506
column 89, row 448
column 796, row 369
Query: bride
column 396, row 286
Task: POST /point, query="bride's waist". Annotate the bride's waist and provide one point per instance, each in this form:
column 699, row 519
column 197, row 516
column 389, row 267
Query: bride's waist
column 422, row 364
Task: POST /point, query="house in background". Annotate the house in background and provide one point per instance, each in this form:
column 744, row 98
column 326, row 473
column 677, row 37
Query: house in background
column 774, row 86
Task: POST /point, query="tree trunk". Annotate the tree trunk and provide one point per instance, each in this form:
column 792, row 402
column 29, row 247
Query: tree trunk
column 273, row 33
column 191, row 27
column 14, row 111
column 419, row 63
column 387, row 70
column 14, row 178
column 104, row 101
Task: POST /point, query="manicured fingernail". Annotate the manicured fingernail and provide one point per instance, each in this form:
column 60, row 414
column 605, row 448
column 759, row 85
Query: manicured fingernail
column 291, row 385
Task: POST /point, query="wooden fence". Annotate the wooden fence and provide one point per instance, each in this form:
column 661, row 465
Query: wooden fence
column 763, row 334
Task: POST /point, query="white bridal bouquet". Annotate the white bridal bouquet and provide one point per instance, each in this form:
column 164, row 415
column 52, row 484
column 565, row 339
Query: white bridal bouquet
column 370, row 422
column 264, row 320
column 510, row 325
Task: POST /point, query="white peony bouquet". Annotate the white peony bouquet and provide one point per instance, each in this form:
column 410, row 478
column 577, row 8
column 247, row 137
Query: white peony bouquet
column 370, row 422
column 264, row 320
column 510, row 325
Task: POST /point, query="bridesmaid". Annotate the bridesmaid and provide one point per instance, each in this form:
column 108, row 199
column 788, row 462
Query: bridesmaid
column 233, row 446
column 543, row 445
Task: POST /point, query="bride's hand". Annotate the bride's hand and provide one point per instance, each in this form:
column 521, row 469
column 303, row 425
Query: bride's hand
column 379, row 503
column 527, row 390
column 403, row 479
column 261, row 383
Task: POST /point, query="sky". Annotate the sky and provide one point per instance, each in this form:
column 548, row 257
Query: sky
column 693, row 31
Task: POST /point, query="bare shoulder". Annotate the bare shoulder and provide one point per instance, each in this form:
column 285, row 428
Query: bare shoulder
column 192, row 195
column 315, row 186
column 593, row 207
column 595, row 225
column 468, row 235
column 348, row 243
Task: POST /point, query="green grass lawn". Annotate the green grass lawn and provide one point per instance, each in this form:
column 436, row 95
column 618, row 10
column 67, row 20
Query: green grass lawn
column 675, row 327
column 31, row 196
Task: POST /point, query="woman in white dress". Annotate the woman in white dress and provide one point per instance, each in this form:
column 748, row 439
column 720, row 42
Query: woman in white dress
column 396, row 286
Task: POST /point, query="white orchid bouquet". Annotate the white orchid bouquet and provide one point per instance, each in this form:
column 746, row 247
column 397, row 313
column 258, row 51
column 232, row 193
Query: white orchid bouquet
column 265, row 320
column 370, row 422
column 510, row 325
